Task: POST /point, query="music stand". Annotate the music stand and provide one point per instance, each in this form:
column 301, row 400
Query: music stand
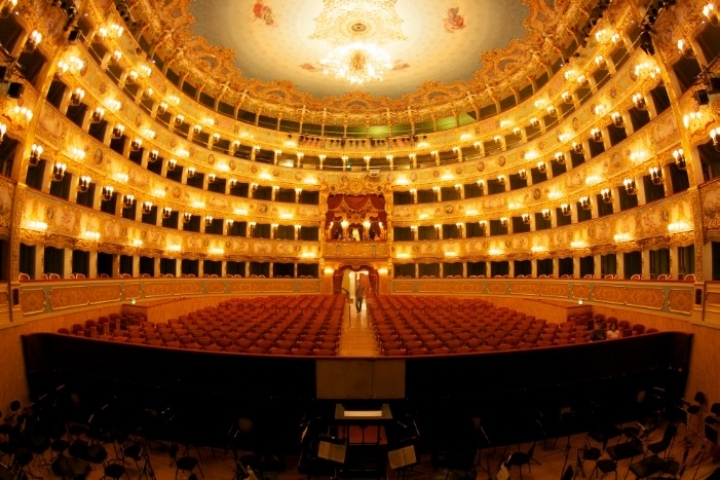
column 333, row 451
column 403, row 460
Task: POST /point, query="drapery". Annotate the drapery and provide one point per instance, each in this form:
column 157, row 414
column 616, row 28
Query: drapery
column 356, row 208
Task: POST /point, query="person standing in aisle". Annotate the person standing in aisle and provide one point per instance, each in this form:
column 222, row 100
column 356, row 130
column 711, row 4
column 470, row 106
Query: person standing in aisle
column 359, row 294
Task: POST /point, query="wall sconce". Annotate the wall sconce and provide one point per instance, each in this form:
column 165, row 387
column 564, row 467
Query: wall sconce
column 118, row 131
column 711, row 14
column 458, row 187
column 585, row 203
column 526, row 218
column 8, row 9
column 542, row 168
column 76, row 97
column 639, row 101
column 153, row 156
column 33, row 41
column 3, row 129
column 497, row 138
column 596, row 135
column 679, row 156
column 714, row 134
column 534, row 122
column 136, row 144
column 522, row 174
column 197, row 129
column 171, row 164
column 481, row 184
column 128, row 201
column 577, row 147
column 147, row 207
column 685, row 49
column 211, row 178
column 216, row 137
column 567, row 98
column 656, row 175
column 482, row 223
column 179, row 120
column 190, row 172
column 298, row 191
column 560, row 158
column 58, row 171
column 84, row 183
column 516, row 130
column 565, row 209
column 551, row 111
column 35, row 152
column 546, row 214
column 617, row 119
column 208, row 220
column 630, row 187
column 254, row 186
column 166, row 212
column 436, row 190
column 501, row 179
column 107, row 192
column 97, row 115
column 230, row 223
column 235, row 146
column 504, row 221
column 162, row 108
column 606, row 195
column 187, row 216
column 233, row 183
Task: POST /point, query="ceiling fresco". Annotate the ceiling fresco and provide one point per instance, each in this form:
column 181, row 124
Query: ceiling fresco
column 427, row 41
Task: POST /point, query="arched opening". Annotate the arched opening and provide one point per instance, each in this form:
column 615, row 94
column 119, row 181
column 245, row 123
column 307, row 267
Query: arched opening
column 346, row 276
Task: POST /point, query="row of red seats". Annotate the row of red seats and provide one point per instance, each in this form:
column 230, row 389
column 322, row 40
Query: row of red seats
column 302, row 325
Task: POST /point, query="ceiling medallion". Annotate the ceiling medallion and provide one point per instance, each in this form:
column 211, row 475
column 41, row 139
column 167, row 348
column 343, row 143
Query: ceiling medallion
column 358, row 29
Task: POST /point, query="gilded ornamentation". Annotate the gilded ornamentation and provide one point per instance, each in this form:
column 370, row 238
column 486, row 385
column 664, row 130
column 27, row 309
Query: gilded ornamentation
column 309, row 286
column 104, row 293
column 443, row 287
column 131, row 290
column 400, row 286
column 68, row 297
column 496, row 288
column 215, row 287
column 646, row 297
column 602, row 293
column 169, row 23
column 32, row 301
column 581, row 291
column 681, row 301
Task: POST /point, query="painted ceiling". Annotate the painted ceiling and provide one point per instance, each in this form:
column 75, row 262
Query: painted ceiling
column 428, row 40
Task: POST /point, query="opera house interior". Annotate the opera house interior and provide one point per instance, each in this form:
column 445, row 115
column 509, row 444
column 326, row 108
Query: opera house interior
column 298, row 217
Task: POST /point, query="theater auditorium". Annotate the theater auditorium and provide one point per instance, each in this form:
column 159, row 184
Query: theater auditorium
column 359, row 239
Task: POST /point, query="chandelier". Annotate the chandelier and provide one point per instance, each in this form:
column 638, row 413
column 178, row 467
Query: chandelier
column 358, row 31
column 357, row 62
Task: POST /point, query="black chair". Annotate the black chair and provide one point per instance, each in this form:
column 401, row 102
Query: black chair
column 693, row 410
column 606, row 466
column 187, row 464
column 664, row 444
column 114, row 470
column 569, row 473
column 519, row 459
column 587, row 453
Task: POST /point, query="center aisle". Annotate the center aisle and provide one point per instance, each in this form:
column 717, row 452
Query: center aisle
column 358, row 337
